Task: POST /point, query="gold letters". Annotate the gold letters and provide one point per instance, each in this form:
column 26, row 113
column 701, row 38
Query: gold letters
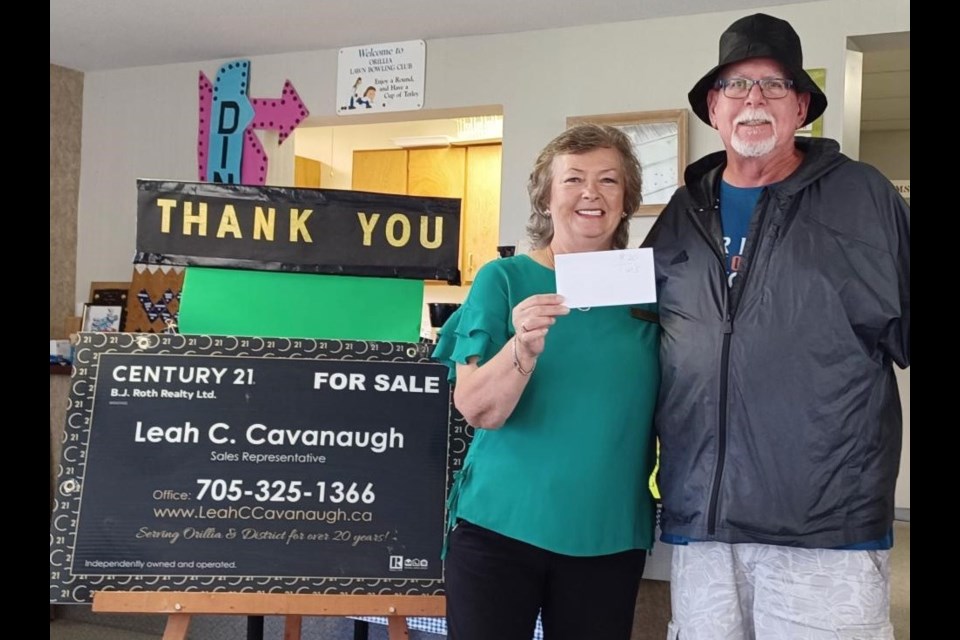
column 263, row 224
column 392, row 222
column 298, row 223
column 425, row 242
column 397, row 230
column 200, row 220
column 229, row 223
column 367, row 226
column 165, row 205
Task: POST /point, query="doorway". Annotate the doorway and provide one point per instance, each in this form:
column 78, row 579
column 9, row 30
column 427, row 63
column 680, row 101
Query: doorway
column 457, row 156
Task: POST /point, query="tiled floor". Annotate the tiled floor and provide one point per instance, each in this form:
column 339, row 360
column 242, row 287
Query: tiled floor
column 71, row 630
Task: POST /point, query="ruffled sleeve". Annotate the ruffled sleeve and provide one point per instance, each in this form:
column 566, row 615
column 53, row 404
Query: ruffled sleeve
column 470, row 331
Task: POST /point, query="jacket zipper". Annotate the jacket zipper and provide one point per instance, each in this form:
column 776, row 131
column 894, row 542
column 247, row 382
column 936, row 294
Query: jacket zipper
column 712, row 515
column 722, row 426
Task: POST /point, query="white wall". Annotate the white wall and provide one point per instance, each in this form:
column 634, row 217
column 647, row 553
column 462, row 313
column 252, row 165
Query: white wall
column 888, row 151
column 902, row 497
column 142, row 122
column 852, row 102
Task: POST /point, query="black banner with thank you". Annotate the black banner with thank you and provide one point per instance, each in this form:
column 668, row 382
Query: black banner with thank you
column 326, row 231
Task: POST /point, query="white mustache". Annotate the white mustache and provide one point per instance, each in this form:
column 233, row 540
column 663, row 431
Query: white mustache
column 754, row 115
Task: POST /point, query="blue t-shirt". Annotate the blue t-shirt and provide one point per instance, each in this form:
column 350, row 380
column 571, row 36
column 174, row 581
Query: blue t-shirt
column 736, row 210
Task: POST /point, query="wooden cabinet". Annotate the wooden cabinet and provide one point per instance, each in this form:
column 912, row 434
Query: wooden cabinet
column 481, row 202
column 471, row 173
column 307, row 172
column 436, row 172
column 380, row 171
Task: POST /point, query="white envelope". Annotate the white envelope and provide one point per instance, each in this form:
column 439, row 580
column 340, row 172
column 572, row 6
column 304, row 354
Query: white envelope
column 605, row 278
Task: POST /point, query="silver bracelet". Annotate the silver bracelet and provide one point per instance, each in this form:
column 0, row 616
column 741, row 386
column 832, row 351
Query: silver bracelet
column 516, row 361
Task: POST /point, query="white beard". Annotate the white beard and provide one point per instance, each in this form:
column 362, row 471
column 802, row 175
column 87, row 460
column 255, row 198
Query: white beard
column 753, row 149
column 756, row 148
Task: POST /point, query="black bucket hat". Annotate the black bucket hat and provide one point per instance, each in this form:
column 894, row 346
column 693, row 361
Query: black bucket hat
column 760, row 36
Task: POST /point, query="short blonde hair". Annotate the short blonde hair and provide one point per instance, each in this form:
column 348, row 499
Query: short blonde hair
column 579, row 139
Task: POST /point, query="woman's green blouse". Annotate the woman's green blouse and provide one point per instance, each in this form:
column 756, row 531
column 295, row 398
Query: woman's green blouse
column 568, row 471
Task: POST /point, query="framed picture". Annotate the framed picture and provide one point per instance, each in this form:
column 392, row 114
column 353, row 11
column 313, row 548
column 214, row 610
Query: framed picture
column 101, row 317
column 660, row 142
column 111, row 293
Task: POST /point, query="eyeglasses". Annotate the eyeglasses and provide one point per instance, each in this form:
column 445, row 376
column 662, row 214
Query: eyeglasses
column 771, row 88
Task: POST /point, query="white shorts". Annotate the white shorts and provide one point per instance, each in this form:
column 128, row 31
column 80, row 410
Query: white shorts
column 725, row 591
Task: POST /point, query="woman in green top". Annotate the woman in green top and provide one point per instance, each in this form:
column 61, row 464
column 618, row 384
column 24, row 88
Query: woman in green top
column 551, row 513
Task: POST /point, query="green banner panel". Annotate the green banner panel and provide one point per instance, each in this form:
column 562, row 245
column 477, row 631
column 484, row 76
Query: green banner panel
column 297, row 305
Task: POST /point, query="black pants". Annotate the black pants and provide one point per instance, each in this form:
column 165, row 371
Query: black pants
column 496, row 586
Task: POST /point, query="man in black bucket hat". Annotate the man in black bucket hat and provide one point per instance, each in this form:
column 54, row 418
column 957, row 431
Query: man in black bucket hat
column 760, row 36
column 783, row 278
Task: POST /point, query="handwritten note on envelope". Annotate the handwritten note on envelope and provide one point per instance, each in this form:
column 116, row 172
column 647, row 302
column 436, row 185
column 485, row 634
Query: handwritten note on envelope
column 605, row 278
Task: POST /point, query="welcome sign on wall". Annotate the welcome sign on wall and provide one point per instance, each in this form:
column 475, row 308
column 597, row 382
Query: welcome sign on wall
column 381, row 77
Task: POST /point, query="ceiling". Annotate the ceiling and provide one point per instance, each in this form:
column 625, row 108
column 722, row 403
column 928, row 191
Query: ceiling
column 94, row 35
column 97, row 35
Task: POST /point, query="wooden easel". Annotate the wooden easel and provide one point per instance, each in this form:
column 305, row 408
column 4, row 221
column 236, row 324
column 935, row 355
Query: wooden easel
column 179, row 606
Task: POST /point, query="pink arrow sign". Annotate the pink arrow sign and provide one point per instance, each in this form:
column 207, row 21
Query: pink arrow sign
column 205, row 88
column 279, row 114
column 253, row 165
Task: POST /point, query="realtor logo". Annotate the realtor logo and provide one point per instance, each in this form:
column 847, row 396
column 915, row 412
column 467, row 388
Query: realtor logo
column 415, row 563
column 396, row 563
